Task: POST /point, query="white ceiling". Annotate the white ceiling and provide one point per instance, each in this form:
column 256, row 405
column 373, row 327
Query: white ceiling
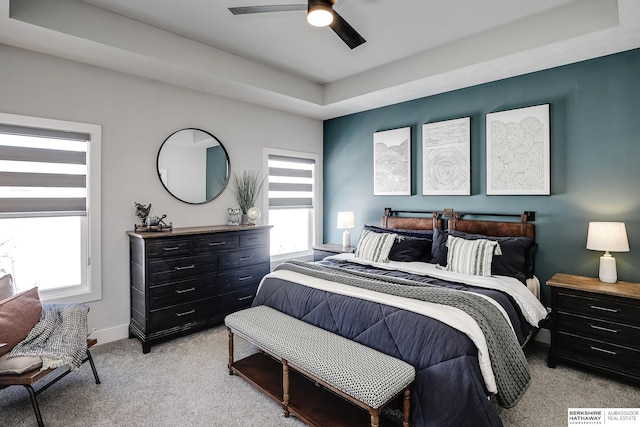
column 414, row 48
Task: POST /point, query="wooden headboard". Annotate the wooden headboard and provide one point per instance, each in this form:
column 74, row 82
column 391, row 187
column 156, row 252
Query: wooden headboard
column 493, row 228
column 430, row 221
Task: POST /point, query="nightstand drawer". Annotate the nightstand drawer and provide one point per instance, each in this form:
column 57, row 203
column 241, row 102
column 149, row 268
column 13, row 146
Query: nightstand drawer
column 612, row 357
column 612, row 332
column 320, row 255
column 599, row 306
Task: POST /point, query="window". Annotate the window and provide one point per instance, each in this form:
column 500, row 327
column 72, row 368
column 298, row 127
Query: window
column 50, row 206
column 293, row 202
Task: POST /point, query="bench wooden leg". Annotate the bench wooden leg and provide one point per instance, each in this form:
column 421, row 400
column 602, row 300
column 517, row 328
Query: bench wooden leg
column 285, row 388
column 230, row 351
column 406, row 407
column 375, row 417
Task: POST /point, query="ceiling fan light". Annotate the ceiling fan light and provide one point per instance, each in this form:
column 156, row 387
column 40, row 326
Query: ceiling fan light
column 319, row 15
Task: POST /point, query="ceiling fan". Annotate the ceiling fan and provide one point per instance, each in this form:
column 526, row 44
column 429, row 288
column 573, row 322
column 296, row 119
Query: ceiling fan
column 320, row 13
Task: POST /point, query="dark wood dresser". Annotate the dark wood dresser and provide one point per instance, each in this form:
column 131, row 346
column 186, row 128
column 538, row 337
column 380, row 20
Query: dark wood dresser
column 596, row 325
column 191, row 278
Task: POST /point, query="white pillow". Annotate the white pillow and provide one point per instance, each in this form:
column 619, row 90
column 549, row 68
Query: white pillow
column 375, row 246
column 471, row 256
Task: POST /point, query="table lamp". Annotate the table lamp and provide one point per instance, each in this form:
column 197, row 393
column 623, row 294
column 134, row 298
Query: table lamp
column 607, row 236
column 346, row 220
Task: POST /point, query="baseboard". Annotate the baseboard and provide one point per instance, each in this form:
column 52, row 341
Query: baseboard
column 114, row 333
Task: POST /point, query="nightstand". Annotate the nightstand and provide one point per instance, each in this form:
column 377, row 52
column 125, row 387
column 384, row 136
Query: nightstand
column 324, row 250
column 595, row 325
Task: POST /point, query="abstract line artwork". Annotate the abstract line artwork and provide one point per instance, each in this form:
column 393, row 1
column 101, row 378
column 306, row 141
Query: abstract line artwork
column 518, row 154
column 446, row 161
column 392, row 162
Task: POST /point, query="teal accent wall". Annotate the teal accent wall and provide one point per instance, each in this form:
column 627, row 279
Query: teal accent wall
column 595, row 159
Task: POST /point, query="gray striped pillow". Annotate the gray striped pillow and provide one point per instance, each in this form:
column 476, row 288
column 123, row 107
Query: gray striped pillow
column 471, row 256
column 375, row 246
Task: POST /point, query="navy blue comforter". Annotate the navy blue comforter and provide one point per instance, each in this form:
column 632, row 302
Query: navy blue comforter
column 449, row 389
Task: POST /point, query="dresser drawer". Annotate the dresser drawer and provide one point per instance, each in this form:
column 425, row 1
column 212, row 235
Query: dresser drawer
column 253, row 239
column 172, row 293
column 612, row 332
column 612, row 357
column 242, row 298
column 215, row 242
column 165, row 270
column 600, row 306
column 169, row 248
column 242, row 277
column 182, row 314
column 242, row 258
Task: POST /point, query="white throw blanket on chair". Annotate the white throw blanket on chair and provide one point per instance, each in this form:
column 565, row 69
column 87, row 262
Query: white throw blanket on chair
column 59, row 338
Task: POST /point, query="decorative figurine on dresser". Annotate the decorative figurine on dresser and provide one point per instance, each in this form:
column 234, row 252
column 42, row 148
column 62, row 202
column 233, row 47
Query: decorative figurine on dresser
column 191, row 278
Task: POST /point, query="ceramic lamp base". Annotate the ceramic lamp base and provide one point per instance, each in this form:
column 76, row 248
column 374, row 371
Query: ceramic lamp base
column 608, row 273
column 346, row 239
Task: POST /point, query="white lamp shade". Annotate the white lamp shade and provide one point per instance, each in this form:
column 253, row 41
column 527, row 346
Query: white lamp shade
column 346, row 220
column 607, row 236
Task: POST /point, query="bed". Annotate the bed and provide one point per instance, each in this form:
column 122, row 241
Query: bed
column 454, row 297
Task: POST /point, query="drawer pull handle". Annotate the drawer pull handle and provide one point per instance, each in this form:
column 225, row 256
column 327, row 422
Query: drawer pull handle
column 244, row 298
column 182, row 291
column 240, row 279
column 217, row 243
column 603, row 350
column 186, row 267
column 185, row 313
column 610, row 310
column 244, row 258
column 253, row 238
column 602, row 328
column 173, row 248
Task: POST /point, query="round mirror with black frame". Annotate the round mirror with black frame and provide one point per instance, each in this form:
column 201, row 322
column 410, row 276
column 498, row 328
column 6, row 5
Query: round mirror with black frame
column 193, row 166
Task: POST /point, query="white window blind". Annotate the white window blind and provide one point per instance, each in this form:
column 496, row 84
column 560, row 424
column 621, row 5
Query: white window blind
column 290, row 182
column 43, row 172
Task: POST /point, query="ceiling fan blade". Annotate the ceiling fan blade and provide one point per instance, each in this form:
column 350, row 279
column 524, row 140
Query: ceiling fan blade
column 245, row 10
column 346, row 32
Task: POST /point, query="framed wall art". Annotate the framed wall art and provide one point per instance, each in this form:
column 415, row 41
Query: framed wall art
column 518, row 152
column 446, row 157
column 392, row 162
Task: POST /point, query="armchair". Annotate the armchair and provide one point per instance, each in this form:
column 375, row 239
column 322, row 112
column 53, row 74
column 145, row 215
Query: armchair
column 32, row 345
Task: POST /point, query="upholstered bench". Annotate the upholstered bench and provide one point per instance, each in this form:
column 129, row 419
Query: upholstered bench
column 362, row 375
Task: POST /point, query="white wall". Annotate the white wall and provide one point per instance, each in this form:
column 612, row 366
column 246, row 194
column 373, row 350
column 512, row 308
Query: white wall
column 137, row 115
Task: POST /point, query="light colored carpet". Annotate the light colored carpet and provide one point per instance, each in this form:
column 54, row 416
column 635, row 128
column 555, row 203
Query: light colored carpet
column 185, row 382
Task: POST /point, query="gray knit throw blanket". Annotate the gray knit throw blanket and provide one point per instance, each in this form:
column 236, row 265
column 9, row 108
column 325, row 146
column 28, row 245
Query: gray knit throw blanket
column 508, row 362
column 59, row 338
